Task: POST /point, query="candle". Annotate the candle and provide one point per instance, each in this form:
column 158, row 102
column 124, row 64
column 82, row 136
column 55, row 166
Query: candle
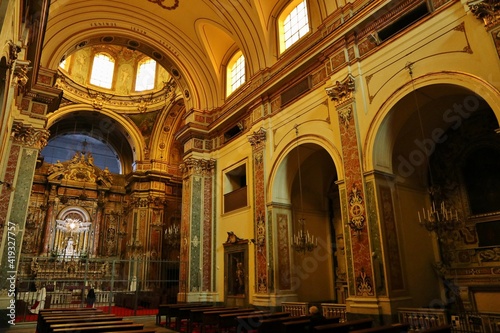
column 419, row 219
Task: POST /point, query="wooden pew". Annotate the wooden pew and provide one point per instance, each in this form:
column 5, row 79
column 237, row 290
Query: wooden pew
column 246, row 323
column 163, row 309
column 50, row 321
column 211, row 318
column 439, row 329
column 44, row 315
column 273, row 325
column 144, row 330
column 394, row 328
column 70, row 325
column 196, row 315
column 185, row 314
column 347, row 326
column 306, row 325
column 101, row 329
column 227, row 321
column 172, row 310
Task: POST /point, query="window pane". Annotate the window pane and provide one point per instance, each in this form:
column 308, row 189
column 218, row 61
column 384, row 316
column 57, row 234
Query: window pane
column 238, row 73
column 296, row 24
column 102, row 71
column 146, row 74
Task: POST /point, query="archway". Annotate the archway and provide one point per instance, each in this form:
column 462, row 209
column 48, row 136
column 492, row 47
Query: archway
column 304, row 189
column 433, row 131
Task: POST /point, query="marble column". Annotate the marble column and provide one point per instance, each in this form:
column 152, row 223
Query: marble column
column 197, row 230
column 352, row 189
column 26, row 141
column 258, row 142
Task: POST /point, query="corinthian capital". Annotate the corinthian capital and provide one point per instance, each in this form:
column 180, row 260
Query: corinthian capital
column 193, row 165
column 342, row 91
column 258, row 137
column 29, row 136
column 486, row 10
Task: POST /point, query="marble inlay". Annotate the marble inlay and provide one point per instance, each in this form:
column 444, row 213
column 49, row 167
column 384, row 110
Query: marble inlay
column 194, row 255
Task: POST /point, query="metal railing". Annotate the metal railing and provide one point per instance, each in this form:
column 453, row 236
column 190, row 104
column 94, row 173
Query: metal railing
column 131, row 286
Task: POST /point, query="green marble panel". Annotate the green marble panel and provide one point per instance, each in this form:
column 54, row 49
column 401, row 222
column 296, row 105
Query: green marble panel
column 196, row 218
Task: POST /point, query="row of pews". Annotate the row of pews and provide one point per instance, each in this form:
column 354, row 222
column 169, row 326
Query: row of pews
column 85, row 320
column 206, row 318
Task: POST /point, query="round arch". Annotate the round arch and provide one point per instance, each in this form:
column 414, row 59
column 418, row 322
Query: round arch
column 277, row 177
column 122, row 129
column 378, row 157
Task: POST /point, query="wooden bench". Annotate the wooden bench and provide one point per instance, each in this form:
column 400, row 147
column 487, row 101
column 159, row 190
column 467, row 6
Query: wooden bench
column 211, row 318
column 196, row 315
column 250, row 322
column 101, row 328
column 41, row 326
column 50, row 321
column 172, row 310
column 228, row 320
column 394, row 328
column 306, row 325
column 54, row 327
column 439, row 329
column 273, row 325
column 184, row 314
column 347, row 326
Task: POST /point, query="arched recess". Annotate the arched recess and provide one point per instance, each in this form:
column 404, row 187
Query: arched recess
column 418, row 140
column 300, row 186
column 104, row 124
column 73, row 235
column 164, row 147
column 401, row 104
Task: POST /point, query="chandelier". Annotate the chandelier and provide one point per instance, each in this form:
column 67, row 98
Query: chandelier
column 302, row 241
column 438, row 220
column 172, row 236
column 441, row 219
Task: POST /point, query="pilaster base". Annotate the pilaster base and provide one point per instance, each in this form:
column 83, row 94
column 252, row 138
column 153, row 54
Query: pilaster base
column 383, row 310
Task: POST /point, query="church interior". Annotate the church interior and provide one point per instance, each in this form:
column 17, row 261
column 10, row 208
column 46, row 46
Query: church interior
column 253, row 153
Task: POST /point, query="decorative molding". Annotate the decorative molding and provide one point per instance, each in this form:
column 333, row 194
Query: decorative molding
column 29, row 136
column 342, row 91
column 193, row 165
column 486, row 10
column 345, row 115
column 357, row 220
column 257, row 138
column 171, row 7
column 20, row 76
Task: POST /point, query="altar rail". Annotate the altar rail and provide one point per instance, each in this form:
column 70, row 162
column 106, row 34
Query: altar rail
column 422, row 318
column 334, row 310
column 296, row 309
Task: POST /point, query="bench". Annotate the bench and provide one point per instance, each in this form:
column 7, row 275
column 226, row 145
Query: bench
column 250, row 322
column 394, row 328
column 306, row 325
column 185, row 314
column 347, row 326
column 228, row 320
column 54, row 327
column 211, row 318
column 101, row 329
column 48, row 322
column 196, row 315
column 273, row 325
column 171, row 310
column 42, row 317
column 439, row 329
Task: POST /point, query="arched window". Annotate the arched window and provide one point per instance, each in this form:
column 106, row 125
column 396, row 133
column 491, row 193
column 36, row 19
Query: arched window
column 146, row 74
column 293, row 24
column 235, row 72
column 103, row 68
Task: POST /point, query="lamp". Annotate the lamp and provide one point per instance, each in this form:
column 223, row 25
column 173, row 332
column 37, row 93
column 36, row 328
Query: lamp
column 172, row 236
column 302, row 241
column 442, row 219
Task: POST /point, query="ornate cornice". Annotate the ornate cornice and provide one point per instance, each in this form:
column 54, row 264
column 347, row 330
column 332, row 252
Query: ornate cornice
column 342, row 91
column 486, row 10
column 257, row 138
column 20, row 76
column 193, row 165
column 29, row 136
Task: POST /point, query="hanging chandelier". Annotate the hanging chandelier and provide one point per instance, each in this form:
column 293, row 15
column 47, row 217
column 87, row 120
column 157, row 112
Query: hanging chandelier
column 172, row 236
column 441, row 219
column 438, row 220
column 302, row 241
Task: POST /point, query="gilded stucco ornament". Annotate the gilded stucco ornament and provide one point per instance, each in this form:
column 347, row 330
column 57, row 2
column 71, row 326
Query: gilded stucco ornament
column 29, row 136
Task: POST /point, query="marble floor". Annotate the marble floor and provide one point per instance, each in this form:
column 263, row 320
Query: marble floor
column 29, row 327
